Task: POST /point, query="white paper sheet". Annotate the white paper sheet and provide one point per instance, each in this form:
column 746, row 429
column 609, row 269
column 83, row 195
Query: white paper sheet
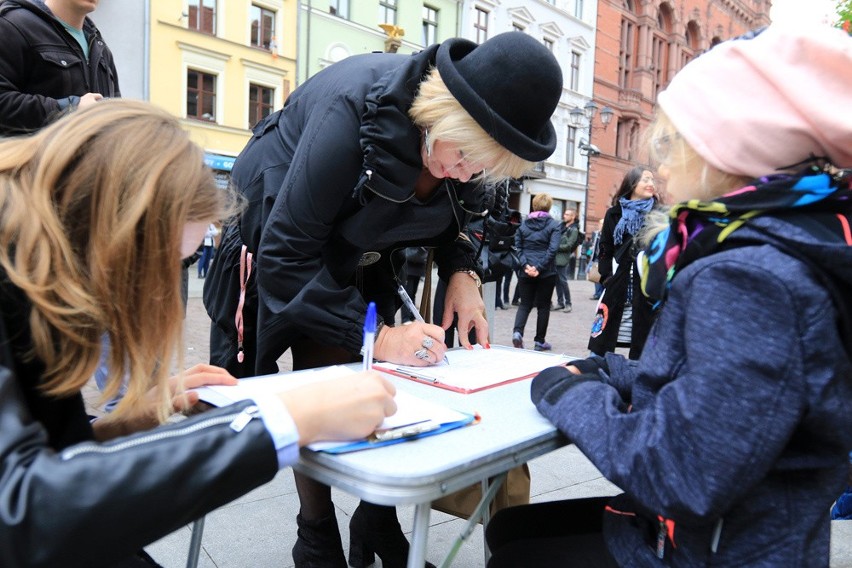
column 410, row 409
column 469, row 370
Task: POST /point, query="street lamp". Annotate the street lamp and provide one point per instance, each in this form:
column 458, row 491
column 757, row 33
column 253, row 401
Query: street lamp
column 582, row 118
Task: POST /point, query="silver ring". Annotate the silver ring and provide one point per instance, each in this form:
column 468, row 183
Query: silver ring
column 422, row 354
column 427, row 342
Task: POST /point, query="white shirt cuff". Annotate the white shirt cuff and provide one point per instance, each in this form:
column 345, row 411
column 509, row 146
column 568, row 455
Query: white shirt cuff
column 281, row 427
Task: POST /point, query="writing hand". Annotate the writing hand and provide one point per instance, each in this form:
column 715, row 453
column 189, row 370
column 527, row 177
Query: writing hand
column 346, row 408
column 399, row 344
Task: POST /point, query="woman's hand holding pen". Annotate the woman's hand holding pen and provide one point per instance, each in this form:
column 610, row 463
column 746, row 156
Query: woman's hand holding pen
column 346, row 408
column 464, row 299
column 415, row 344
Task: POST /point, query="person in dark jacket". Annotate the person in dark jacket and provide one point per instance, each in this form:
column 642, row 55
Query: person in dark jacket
column 91, row 238
column 564, row 255
column 415, row 269
column 53, row 59
column 536, row 241
column 371, row 155
column 624, row 315
column 730, row 436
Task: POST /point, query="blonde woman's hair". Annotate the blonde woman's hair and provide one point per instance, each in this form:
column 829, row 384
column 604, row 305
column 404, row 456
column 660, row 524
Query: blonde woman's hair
column 542, row 202
column 437, row 109
column 686, row 166
column 92, row 211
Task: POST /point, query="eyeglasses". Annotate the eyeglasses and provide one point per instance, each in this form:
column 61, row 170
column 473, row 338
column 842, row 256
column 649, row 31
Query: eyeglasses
column 464, row 164
column 663, row 146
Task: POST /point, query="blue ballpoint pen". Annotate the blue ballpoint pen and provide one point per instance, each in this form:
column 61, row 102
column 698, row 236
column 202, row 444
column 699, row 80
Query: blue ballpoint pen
column 369, row 335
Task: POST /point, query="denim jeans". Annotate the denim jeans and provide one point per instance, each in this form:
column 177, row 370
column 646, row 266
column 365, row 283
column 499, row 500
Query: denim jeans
column 563, row 294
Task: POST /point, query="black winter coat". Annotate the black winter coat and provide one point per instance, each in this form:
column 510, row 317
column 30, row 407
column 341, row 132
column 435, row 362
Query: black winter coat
column 43, row 70
column 537, row 240
column 329, row 178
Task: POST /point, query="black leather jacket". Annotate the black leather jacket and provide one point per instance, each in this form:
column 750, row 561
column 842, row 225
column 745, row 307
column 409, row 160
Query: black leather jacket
column 68, row 501
column 43, row 70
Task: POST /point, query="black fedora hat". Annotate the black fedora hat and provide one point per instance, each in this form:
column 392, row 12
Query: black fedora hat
column 510, row 85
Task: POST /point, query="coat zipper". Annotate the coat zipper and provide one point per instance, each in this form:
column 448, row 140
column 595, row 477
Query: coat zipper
column 238, row 422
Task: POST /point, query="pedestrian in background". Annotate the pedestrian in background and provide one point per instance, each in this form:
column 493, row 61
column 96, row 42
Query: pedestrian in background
column 564, row 253
column 208, row 246
column 594, row 259
column 624, row 315
column 415, row 270
column 585, row 255
column 536, row 240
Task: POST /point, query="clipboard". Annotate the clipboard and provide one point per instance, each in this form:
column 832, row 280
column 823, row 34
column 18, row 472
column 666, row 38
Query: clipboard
column 472, row 370
column 415, row 417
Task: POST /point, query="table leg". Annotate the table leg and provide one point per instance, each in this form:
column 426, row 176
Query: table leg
column 482, row 509
column 419, row 536
column 195, row 543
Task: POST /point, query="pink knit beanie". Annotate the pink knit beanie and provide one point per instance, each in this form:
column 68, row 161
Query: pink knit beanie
column 751, row 107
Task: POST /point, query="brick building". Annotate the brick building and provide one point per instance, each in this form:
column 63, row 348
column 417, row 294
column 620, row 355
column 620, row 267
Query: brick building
column 640, row 46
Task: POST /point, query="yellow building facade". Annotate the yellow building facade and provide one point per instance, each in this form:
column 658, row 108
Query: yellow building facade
column 221, row 65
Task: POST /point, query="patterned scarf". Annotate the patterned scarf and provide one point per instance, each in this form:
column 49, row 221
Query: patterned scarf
column 698, row 228
column 632, row 215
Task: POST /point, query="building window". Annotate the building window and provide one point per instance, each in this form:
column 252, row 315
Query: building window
column 262, row 27
column 430, row 25
column 339, row 8
column 661, row 49
column 516, row 27
column 202, row 16
column 200, row 95
column 575, row 71
column 549, row 44
column 625, row 55
column 387, row 12
column 480, row 25
column 626, row 139
column 660, row 58
column 570, row 146
column 578, row 9
column 261, row 101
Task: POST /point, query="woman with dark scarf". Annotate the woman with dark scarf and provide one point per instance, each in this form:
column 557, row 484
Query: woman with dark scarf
column 624, row 315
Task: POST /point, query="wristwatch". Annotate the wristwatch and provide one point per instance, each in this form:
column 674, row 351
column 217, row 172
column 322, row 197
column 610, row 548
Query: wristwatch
column 474, row 275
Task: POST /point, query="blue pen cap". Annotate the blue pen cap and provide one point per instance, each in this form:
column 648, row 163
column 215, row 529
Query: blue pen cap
column 370, row 320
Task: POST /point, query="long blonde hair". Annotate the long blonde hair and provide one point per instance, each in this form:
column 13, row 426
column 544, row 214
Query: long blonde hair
column 437, row 109
column 92, row 210
column 705, row 182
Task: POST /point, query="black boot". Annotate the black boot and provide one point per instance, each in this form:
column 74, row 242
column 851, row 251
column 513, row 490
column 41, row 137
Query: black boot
column 318, row 545
column 374, row 529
